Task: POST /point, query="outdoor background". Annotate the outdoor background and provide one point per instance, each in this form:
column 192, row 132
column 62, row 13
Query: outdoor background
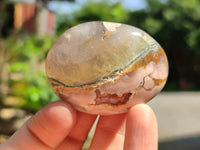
column 28, row 29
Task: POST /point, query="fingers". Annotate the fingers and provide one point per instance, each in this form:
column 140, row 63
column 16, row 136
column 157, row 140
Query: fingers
column 109, row 133
column 45, row 130
column 55, row 127
column 141, row 129
column 78, row 135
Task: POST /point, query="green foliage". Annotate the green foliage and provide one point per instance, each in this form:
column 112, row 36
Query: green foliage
column 93, row 11
column 27, row 79
column 175, row 25
column 100, row 11
column 152, row 25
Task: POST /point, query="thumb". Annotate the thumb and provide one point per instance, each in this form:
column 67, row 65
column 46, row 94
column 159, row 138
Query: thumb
column 44, row 131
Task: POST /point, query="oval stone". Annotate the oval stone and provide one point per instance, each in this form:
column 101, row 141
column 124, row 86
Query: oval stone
column 106, row 68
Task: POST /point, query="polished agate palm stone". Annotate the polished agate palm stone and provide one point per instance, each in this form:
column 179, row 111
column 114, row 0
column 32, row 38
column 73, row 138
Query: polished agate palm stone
column 106, row 68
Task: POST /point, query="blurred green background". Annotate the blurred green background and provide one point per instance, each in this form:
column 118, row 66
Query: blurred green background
column 28, row 30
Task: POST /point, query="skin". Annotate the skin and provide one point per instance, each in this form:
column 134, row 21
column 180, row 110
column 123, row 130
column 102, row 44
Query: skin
column 59, row 127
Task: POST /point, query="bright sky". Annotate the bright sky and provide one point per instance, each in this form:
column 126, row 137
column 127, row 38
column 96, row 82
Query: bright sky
column 70, row 6
column 134, row 4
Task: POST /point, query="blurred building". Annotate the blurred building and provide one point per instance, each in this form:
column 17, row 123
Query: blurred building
column 34, row 19
column 24, row 16
column 30, row 17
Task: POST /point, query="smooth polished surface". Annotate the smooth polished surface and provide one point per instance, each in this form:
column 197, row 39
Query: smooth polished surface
column 105, row 68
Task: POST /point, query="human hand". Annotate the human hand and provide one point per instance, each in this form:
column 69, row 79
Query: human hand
column 59, row 127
